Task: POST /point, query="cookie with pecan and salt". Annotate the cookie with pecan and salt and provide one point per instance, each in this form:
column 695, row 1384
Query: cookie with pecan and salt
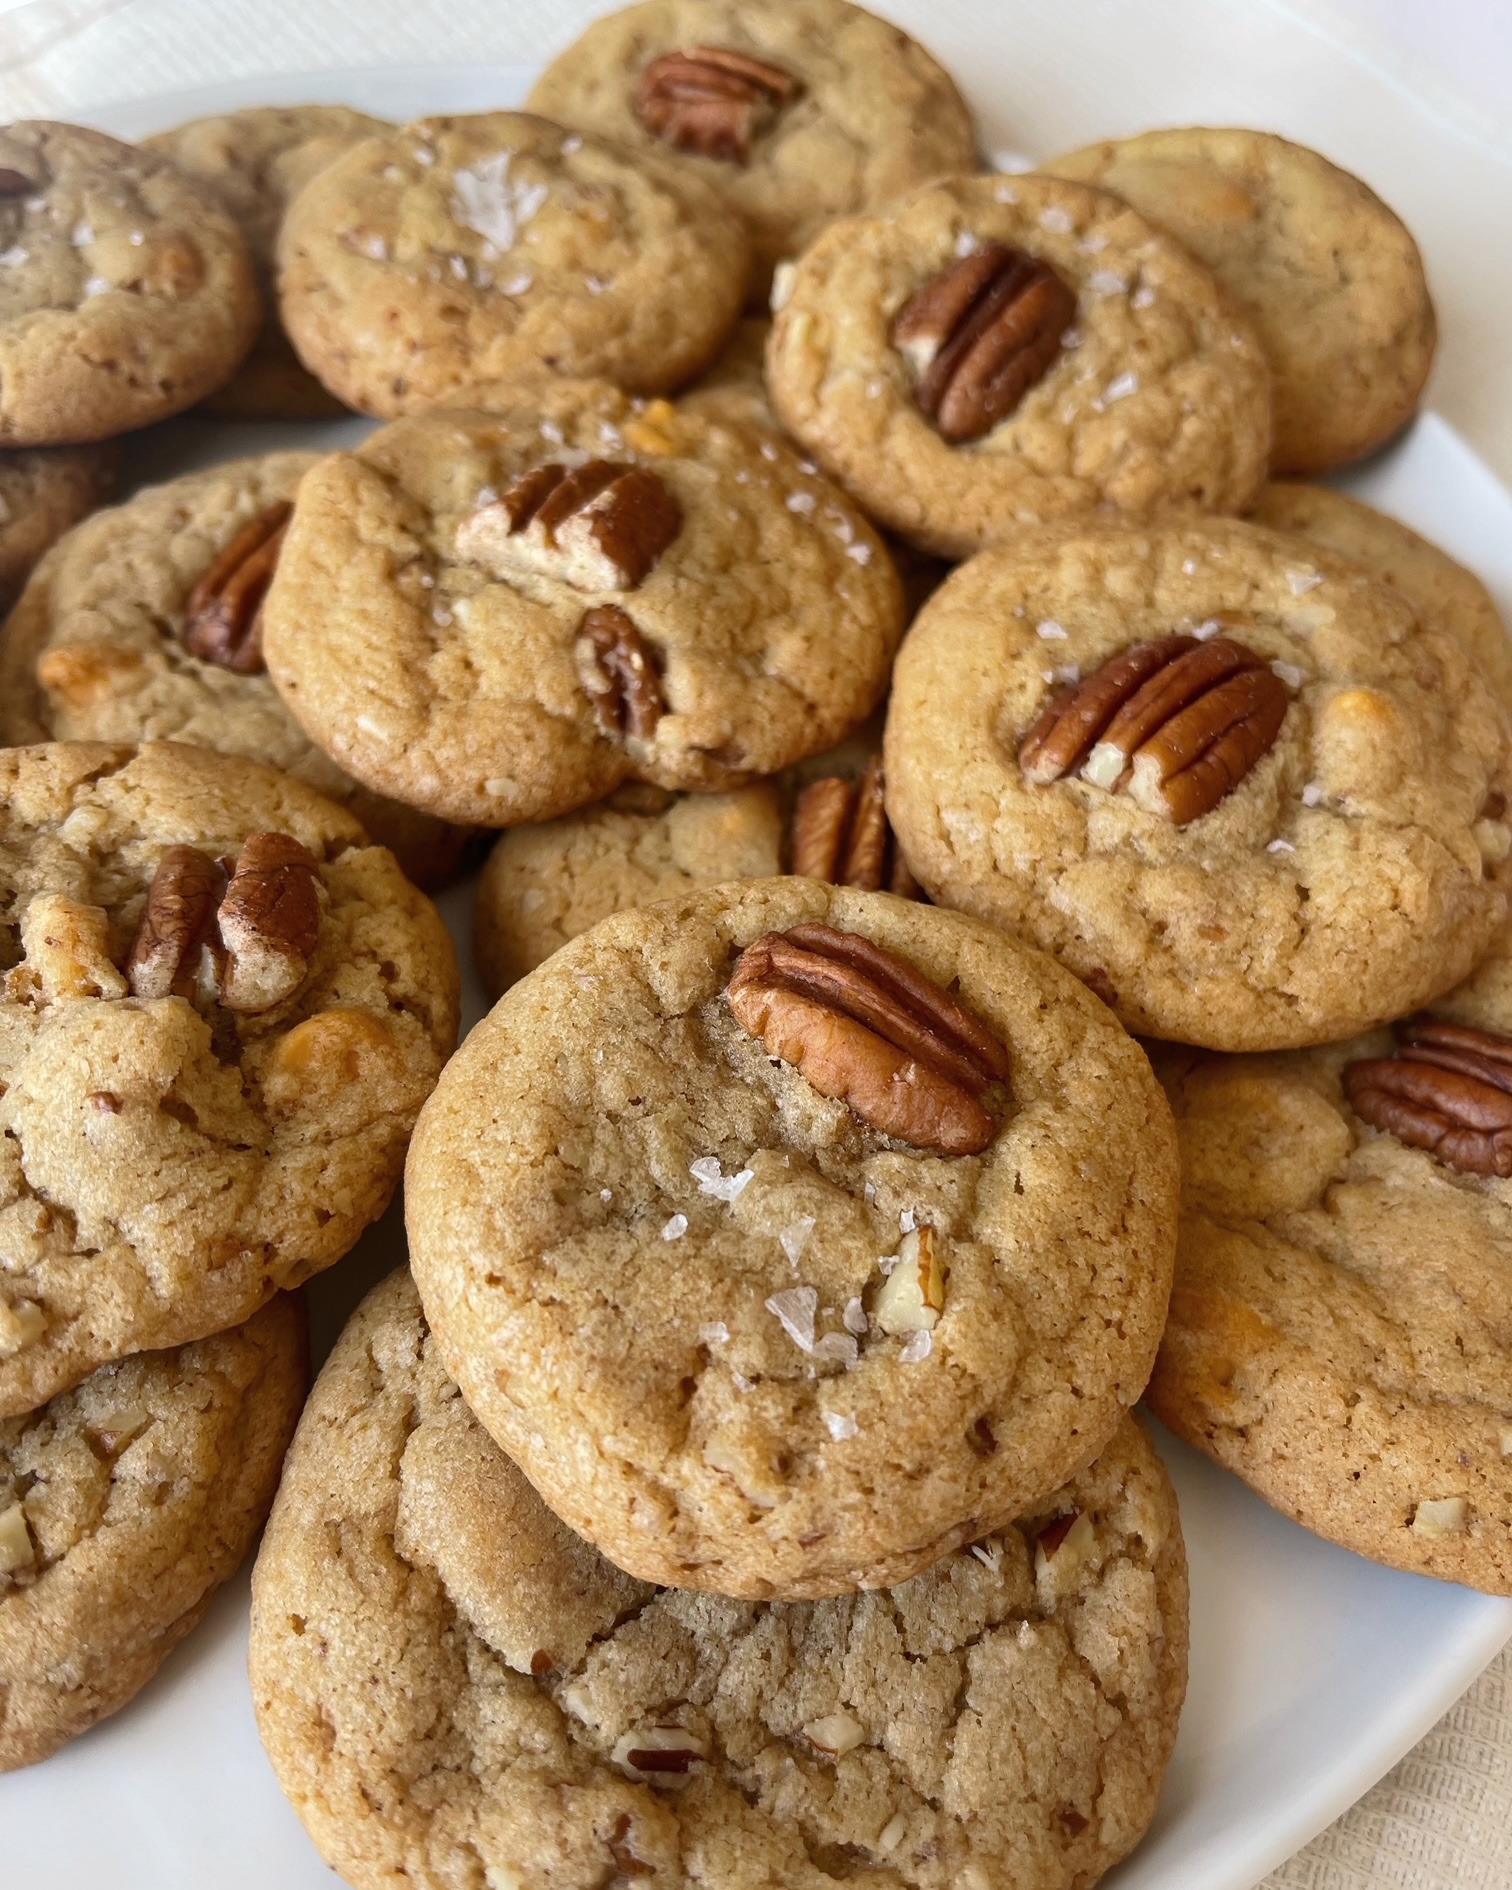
column 990, row 353
column 1341, row 1325
column 126, row 291
column 1252, row 794
column 219, row 1015
column 516, row 1706
column 124, row 1504
column 789, row 1237
column 460, row 250
column 502, row 612
column 145, row 625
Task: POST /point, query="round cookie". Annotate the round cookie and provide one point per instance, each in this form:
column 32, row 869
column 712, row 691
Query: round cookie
column 207, row 1088
column 734, row 387
column 464, row 626
column 42, row 493
column 1156, row 394
column 463, row 1687
column 848, row 113
column 1328, row 274
column 127, row 293
column 255, row 162
column 462, row 250
column 124, row 1504
column 1357, row 868
column 1341, row 1325
column 648, row 1242
column 1431, row 581
column 96, row 648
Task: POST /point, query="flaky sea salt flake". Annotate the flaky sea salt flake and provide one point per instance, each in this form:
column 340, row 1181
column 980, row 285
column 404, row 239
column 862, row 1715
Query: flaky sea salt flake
column 840, row 1425
column 917, row 1347
column 489, row 201
column 675, row 1228
column 795, row 1309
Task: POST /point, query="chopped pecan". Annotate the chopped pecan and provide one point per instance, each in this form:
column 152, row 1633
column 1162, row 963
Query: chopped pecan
column 15, row 183
column 619, row 674
column 269, row 922
column 841, row 833
column 1447, row 1090
column 711, row 101
column 868, row 1029
column 598, row 527
column 181, row 901
column 980, row 334
column 224, row 621
column 1177, row 722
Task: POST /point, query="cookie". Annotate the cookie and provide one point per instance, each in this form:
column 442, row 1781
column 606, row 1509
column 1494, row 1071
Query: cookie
column 126, row 293
column 207, row 1087
column 42, row 492
column 733, row 388
column 462, row 250
column 795, row 111
column 504, row 612
column 464, row 1687
column 993, row 353
column 1328, row 274
column 255, row 162
column 1429, row 578
column 124, row 1504
column 647, row 1202
column 143, row 626
column 1341, row 1325
column 1312, row 844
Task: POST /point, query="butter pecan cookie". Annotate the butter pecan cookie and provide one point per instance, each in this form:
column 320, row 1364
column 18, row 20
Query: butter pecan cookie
column 504, row 612
column 42, row 493
column 468, row 1687
column 220, row 1012
column 126, row 292
column 790, row 1237
column 460, row 250
column 1328, row 274
column 124, row 1504
column 795, row 111
column 734, row 387
column 255, row 162
column 1239, row 785
column 1341, row 1325
column 992, row 352
column 145, row 625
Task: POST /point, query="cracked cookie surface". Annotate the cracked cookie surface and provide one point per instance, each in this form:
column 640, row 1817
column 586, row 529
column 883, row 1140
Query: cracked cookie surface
column 661, row 1263
column 444, row 1675
column 1357, row 870
column 124, row 1504
column 167, row 1162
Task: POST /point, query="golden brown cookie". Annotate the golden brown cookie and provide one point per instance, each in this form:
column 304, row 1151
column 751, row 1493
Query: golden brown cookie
column 42, row 493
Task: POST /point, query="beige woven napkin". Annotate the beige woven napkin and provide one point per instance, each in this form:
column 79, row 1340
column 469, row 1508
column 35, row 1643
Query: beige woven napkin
column 1045, row 76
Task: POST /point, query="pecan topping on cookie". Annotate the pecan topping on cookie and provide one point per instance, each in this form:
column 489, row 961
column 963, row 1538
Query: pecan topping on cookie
column 1177, row 722
column 224, row 621
column 980, row 334
column 269, row 922
column 619, row 673
column 841, row 833
column 1448, row 1090
column 599, row 527
column 181, row 901
column 711, row 101
column 866, row 1028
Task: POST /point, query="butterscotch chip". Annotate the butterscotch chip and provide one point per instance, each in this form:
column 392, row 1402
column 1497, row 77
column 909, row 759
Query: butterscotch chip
column 220, row 1013
column 632, row 1218
column 135, row 1495
column 972, row 1722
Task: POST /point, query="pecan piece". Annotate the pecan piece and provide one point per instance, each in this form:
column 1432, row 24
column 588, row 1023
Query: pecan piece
column 980, row 334
column 866, row 1028
column 269, row 922
column 841, row 833
column 1447, row 1090
column 711, row 101
column 15, row 183
column 181, row 901
column 224, row 621
column 618, row 672
column 1176, row 722
column 598, row 527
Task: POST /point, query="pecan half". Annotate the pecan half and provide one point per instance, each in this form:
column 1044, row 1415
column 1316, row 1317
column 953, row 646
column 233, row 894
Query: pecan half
column 866, row 1028
column 618, row 672
column 1447, row 1090
column 711, row 101
column 1176, row 722
column 980, row 334
column 224, row 621
column 598, row 527
column 269, row 922
column 841, row 833
column 181, row 901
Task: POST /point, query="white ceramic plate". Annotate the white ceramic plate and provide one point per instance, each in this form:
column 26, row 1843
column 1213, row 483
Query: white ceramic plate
column 1312, row 1671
